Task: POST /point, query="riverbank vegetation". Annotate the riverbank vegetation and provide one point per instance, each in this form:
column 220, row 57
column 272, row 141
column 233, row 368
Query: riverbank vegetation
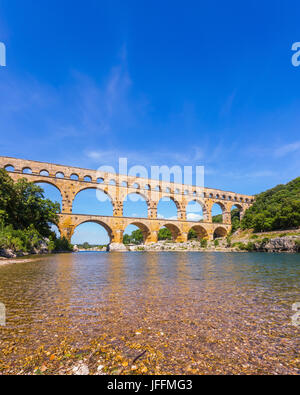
column 277, row 208
column 26, row 218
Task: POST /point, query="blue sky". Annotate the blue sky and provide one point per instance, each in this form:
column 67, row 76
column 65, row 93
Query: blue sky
column 160, row 82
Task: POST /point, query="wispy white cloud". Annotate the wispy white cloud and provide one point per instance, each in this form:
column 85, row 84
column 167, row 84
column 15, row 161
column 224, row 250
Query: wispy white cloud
column 287, row 149
column 194, row 217
column 160, row 216
column 227, row 106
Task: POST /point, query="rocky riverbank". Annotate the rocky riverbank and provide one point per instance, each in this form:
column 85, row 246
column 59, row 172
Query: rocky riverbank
column 10, row 253
column 238, row 242
column 93, row 249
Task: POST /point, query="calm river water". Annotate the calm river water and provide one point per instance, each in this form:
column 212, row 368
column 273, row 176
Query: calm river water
column 192, row 312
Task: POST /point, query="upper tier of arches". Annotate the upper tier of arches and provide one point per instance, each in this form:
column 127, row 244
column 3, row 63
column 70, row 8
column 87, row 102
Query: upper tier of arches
column 138, row 184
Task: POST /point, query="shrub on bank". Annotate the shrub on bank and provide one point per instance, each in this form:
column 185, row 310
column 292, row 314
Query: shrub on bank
column 19, row 240
column 29, row 240
column 59, row 245
column 203, row 243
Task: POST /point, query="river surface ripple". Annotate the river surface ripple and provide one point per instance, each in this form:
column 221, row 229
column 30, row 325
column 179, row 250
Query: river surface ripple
column 201, row 312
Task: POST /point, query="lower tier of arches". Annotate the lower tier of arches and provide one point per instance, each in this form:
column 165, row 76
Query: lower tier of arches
column 150, row 228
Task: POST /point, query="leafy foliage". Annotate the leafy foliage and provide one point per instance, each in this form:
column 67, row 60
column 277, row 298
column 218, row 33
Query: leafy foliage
column 86, row 245
column 164, row 234
column 278, row 208
column 217, row 219
column 26, row 217
column 235, row 220
column 203, row 243
column 136, row 237
column 22, row 204
column 192, row 235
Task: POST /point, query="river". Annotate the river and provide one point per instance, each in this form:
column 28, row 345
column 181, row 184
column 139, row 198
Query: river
column 188, row 312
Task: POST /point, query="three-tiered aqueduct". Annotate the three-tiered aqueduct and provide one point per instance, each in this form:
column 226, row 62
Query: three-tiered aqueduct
column 72, row 180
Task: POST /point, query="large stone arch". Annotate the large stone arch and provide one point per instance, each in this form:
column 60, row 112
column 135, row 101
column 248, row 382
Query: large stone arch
column 205, row 210
column 242, row 208
column 143, row 195
column 200, row 231
column 169, row 200
column 138, row 192
column 49, row 182
column 181, row 208
column 101, row 223
column 95, row 188
column 175, row 231
column 144, row 229
column 220, row 232
column 58, row 188
column 223, row 209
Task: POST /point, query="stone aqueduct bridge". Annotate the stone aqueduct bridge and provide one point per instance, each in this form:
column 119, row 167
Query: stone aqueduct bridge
column 71, row 180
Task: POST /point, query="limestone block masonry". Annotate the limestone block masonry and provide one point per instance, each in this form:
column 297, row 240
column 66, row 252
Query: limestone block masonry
column 72, row 180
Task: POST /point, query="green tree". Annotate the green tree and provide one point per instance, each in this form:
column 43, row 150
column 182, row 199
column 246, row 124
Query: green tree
column 164, row 234
column 22, row 204
column 192, row 235
column 126, row 239
column 275, row 209
column 217, row 219
column 86, row 246
column 235, row 220
column 26, row 217
column 136, row 237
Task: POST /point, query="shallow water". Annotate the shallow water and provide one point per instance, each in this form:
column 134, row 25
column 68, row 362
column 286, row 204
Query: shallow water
column 201, row 312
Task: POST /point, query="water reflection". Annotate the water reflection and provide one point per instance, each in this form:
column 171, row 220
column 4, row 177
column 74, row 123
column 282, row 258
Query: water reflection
column 205, row 303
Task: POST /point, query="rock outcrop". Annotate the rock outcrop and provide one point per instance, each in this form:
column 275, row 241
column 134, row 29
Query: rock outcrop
column 117, row 247
column 281, row 244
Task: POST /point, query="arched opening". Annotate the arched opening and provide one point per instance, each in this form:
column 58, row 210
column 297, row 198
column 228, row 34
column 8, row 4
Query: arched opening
column 92, row 201
column 197, row 232
column 27, row 170
column 89, row 235
column 44, row 173
column 217, row 213
column 168, row 232
column 135, row 206
column 236, row 210
column 124, row 184
column 194, row 211
column 74, row 177
column 136, row 233
column 60, row 175
column 167, row 209
column 51, row 192
column 9, row 168
column 220, row 233
column 88, row 179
